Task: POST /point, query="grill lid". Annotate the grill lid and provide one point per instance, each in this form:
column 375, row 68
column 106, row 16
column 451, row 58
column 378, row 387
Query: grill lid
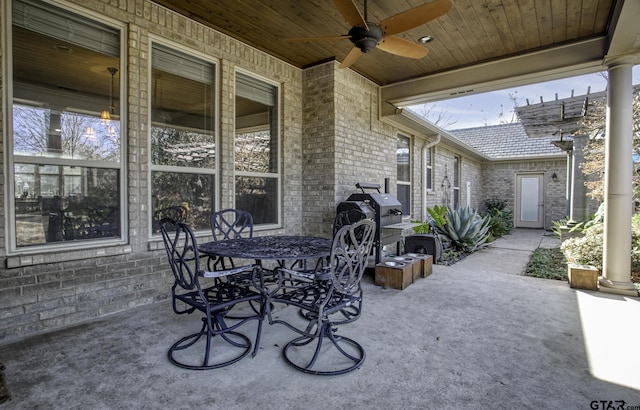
column 364, row 207
column 383, row 202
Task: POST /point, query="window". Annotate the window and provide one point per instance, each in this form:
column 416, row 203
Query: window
column 183, row 147
column 66, row 160
column 456, row 182
column 256, row 149
column 403, row 158
column 428, row 176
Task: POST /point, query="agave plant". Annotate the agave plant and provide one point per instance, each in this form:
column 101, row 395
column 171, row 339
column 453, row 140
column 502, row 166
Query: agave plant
column 466, row 228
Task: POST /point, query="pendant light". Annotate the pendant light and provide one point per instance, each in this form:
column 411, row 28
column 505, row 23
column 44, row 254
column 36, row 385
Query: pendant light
column 105, row 116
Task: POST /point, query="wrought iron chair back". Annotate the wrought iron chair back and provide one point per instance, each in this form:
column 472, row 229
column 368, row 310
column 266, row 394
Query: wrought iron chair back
column 349, row 255
column 177, row 213
column 182, row 253
column 347, row 217
column 207, row 292
column 319, row 301
column 231, row 224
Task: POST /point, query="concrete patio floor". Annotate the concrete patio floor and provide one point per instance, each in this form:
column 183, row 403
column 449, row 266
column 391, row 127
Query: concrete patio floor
column 477, row 334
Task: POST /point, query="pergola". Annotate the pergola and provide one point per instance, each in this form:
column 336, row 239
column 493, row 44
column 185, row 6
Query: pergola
column 478, row 47
column 563, row 118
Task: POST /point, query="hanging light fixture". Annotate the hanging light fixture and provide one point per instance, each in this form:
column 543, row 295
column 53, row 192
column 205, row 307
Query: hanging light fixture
column 105, row 116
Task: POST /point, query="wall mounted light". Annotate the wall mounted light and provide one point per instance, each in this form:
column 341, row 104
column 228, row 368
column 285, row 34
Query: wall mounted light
column 554, row 177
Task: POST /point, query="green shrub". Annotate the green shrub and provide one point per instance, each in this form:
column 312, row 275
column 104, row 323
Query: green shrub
column 495, row 203
column 500, row 222
column 438, row 214
column 586, row 249
column 466, row 229
column 635, row 243
column 558, row 227
column 424, row 227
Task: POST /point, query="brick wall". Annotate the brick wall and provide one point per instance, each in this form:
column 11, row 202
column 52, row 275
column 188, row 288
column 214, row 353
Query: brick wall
column 318, row 171
column 470, row 171
column 40, row 292
column 499, row 181
column 344, row 143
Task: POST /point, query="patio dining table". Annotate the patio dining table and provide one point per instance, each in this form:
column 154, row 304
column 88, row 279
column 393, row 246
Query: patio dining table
column 276, row 247
column 280, row 248
column 298, row 250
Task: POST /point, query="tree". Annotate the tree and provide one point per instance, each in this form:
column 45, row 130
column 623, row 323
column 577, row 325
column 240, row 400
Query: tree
column 594, row 124
column 515, row 103
column 439, row 116
column 33, row 128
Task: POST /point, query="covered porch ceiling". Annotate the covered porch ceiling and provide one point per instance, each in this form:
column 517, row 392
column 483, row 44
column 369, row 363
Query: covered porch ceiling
column 478, row 46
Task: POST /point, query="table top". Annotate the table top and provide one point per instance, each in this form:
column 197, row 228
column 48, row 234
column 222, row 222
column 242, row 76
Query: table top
column 269, row 247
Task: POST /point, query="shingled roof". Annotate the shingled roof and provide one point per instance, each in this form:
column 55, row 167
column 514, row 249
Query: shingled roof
column 507, row 141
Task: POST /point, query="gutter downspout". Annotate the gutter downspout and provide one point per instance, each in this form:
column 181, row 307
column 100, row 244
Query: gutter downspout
column 424, row 171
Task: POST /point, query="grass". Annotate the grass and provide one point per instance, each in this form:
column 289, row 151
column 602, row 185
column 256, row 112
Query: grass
column 548, row 264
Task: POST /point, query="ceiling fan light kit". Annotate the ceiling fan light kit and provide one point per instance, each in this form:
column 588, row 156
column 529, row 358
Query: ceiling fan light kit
column 366, row 35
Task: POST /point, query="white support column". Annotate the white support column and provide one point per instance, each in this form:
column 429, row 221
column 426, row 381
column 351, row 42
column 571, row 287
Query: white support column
column 616, row 263
column 578, row 210
column 569, row 181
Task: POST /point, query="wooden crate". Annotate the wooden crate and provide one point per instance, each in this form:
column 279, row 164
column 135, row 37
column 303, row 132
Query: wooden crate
column 426, row 263
column 397, row 277
column 583, row 276
column 416, row 265
column 428, row 266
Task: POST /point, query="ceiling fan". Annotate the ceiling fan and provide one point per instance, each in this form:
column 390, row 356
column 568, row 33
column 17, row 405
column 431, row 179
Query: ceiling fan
column 366, row 35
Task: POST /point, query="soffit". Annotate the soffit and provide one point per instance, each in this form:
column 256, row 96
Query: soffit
column 472, row 33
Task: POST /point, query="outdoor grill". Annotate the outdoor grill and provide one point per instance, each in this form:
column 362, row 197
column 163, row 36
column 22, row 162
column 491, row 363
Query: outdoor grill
column 383, row 208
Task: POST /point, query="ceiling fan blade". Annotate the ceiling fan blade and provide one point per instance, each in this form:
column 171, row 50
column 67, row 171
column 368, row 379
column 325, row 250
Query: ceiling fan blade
column 414, row 17
column 330, row 38
column 351, row 57
column 402, row 47
column 350, row 12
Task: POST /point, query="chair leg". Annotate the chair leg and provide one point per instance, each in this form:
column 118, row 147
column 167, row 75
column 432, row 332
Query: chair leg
column 297, row 352
column 234, row 339
column 259, row 332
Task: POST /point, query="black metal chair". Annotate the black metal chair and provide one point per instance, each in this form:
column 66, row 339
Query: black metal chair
column 212, row 299
column 334, row 288
column 347, row 217
column 229, row 224
column 178, row 213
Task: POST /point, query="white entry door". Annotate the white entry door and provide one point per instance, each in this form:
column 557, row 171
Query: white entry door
column 529, row 201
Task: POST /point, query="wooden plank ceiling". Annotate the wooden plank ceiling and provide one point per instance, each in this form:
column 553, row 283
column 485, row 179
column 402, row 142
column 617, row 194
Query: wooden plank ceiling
column 472, row 31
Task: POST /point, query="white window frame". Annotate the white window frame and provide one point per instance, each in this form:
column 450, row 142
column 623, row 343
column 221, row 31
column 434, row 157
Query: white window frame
column 273, row 175
column 400, row 182
column 180, row 169
column 457, row 177
column 10, row 159
column 428, row 175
